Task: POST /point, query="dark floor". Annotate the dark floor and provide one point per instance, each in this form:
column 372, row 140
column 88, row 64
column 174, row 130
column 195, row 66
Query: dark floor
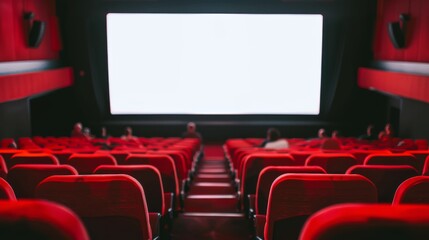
column 211, row 207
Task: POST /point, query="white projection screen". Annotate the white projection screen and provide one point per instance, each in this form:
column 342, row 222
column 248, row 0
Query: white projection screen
column 214, row 63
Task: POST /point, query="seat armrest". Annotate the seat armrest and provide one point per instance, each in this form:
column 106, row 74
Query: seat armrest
column 169, row 201
column 260, row 225
column 251, row 198
column 154, row 219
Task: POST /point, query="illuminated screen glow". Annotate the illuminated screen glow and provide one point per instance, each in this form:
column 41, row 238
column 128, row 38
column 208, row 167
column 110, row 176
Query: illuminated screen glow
column 214, row 63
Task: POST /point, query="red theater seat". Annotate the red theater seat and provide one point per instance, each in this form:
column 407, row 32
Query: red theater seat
column 265, row 180
column 393, row 159
column 148, row 177
column 165, row 166
column 267, row 177
column 6, row 191
column 386, row 178
column 39, row 220
column 368, row 221
column 425, row 170
column 332, row 162
column 32, row 158
column 179, row 159
column 24, row 178
column 413, row 191
column 87, row 163
column 111, row 206
column 361, row 154
column 252, row 166
column 8, row 153
column 294, row 197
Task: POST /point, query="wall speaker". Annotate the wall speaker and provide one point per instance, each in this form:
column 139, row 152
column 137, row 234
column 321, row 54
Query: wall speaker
column 37, row 31
column 397, row 34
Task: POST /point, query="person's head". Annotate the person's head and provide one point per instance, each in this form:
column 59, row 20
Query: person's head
column 273, row 134
column 86, row 131
column 77, row 127
column 128, row 131
column 369, row 130
column 103, row 131
column 321, row 133
column 388, row 129
column 191, row 127
column 382, row 135
column 335, row 134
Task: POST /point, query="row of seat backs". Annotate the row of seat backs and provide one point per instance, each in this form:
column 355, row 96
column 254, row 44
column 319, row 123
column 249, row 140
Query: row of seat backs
column 112, row 206
column 25, row 178
column 87, row 163
column 254, row 163
column 295, row 197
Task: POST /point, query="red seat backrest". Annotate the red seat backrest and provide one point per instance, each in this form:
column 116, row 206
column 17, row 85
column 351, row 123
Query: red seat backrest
column 414, row 190
column 294, row 197
column 361, row 154
column 164, row 164
column 148, row 177
column 39, row 220
column 253, row 165
column 111, row 206
column 385, row 177
column 393, row 159
column 32, row 158
column 3, row 168
column 24, row 178
column 332, row 162
column 6, row 191
column 87, row 163
column 267, row 177
column 179, row 160
column 368, row 221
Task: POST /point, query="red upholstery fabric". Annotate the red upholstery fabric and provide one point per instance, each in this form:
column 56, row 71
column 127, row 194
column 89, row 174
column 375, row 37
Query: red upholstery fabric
column 39, row 220
column 32, row 158
column 18, row 86
column 386, row 178
column 6, row 191
column 393, row 159
column 425, row 170
column 300, row 195
column 267, row 177
column 253, row 165
column 420, row 156
column 417, row 35
column 164, row 164
column 87, row 163
column 179, row 159
column 149, row 178
column 413, row 191
column 399, row 84
column 24, row 178
column 368, row 221
column 360, row 155
column 332, row 162
column 97, row 199
column 3, row 168
column 8, row 153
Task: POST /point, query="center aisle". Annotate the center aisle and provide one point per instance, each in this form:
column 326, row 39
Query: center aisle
column 211, row 205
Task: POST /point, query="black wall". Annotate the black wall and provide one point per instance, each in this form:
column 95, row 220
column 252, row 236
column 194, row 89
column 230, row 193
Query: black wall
column 15, row 120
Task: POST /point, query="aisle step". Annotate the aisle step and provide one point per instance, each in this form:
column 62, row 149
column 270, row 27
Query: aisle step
column 211, row 170
column 207, row 177
column 211, row 203
column 211, row 188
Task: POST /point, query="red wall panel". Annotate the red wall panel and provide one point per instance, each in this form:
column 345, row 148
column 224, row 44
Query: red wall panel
column 14, row 30
column 400, row 84
column 417, row 49
column 17, row 86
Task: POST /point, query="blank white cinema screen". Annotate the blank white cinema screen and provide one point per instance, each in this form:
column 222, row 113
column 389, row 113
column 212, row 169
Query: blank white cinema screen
column 214, row 63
